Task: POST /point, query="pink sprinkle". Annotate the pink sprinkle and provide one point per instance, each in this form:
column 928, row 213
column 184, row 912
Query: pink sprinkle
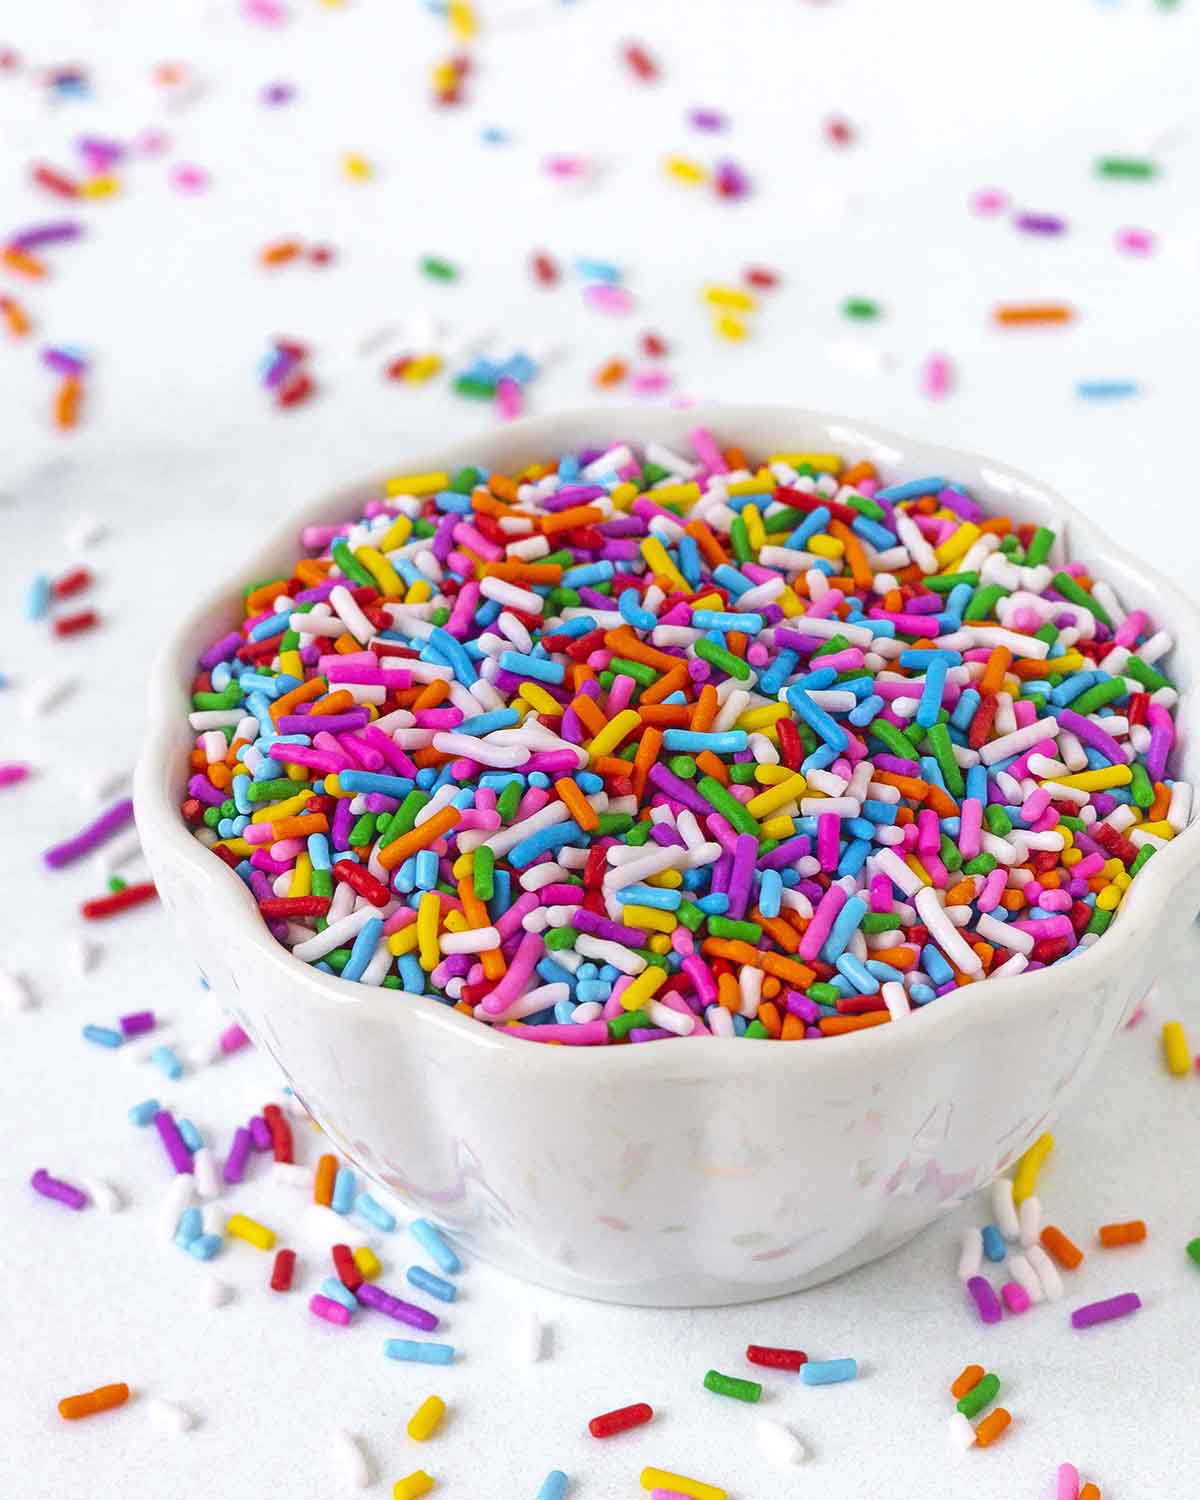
column 651, row 382
column 12, row 772
column 1134, row 241
column 1016, row 1298
column 233, row 1038
column 189, row 178
column 937, row 377
column 607, row 298
column 988, row 201
column 151, row 142
column 269, row 12
column 508, row 399
column 565, row 166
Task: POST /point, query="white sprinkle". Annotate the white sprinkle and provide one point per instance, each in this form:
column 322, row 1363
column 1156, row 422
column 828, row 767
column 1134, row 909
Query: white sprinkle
column 1004, row 1211
column 528, row 1336
column 945, row 934
column 168, row 1415
column 15, row 993
column 342, row 602
column 511, row 596
column 1046, row 1272
column 44, row 694
column 201, row 1054
column 970, row 1254
column 84, row 532
column 778, row 1442
column 178, row 1197
column 216, row 1292
column 1019, row 741
column 208, row 1179
column 1025, row 1276
column 350, row 1459
column 103, row 1195
column 896, row 998
column 212, row 1219
column 960, row 1431
column 889, row 863
column 670, row 1020
column 293, row 1174
column 1003, row 934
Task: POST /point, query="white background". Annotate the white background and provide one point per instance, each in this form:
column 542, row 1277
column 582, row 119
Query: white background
column 184, row 460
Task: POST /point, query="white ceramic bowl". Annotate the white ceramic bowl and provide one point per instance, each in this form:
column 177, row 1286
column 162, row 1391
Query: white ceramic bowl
column 687, row 1173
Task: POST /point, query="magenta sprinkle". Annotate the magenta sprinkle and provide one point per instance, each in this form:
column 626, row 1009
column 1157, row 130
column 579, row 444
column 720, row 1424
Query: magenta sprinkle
column 233, row 1038
column 90, row 837
column 404, row 1312
column 1104, row 1312
column 12, row 772
column 239, row 1152
column 136, row 1022
column 173, row 1143
column 63, row 361
column 984, row 1296
column 54, row 1187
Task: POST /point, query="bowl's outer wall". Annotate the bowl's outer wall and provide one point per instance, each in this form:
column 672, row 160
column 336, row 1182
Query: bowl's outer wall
column 698, row 1172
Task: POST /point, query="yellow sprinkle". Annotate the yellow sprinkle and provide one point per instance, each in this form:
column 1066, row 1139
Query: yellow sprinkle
column 918, row 869
column 1066, row 835
column 623, row 495
column 731, row 327
column 427, row 1418
column 99, row 187
column 250, row 1230
column 1026, row 1175
column 403, row 941
column 236, row 846
column 1109, row 898
column 661, row 565
column 822, row 545
column 422, row 368
column 288, row 808
column 1094, row 781
column 1123, row 881
column 790, row 603
column 683, row 169
column 1161, row 830
column 772, row 775
column 647, row 983
column 823, row 463
column 1175, row 1049
column 777, row 796
column 397, row 534
column 381, row 571
column 1112, row 868
column 614, row 732
column 455, row 921
column 420, row 592
column 659, row 943
column 732, row 297
column 418, row 484
column 957, row 545
column 356, row 166
column 301, row 881
column 756, row 532
column 291, row 663
column 764, row 717
column 367, row 1262
column 670, row 880
column 649, row 918
column 429, row 914
column 778, row 828
column 674, row 494
column 663, row 1479
column 1070, row 857
column 461, row 18
column 412, row 1486
column 538, row 698
column 708, row 601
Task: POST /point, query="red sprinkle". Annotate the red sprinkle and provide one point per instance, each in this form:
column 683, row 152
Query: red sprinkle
column 776, row 1359
column 281, row 1272
column 294, row 906
column 642, row 64
column 86, row 619
column 343, row 1263
column 281, row 1133
column 109, row 906
column 620, row 1420
column 54, row 181
column 360, row 880
column 544, row 269
column 761, row 277
column 70, row 583
column 653, row 345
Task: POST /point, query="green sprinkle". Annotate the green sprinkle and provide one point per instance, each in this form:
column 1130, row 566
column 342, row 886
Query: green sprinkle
column 823, row 994
column 943, row 752
column 291, row 639
column 726, row 927
column 423, row 528
column 731, row 1385
column 1076, row 825
column 982, row 1395
column 786, row 518
column 890, row 738
column 948, row 853
column 1140, row 788
column 404, row 820
column 475, row 387
column 275, row 791
column 1071, row 590
column 612, row 825
column 1129, row 167
column 508, row 801
column 363, row 831
column 338, row 959
column 1151, row 680
column 638, row 835
column 322, row 883
column 638, row 670
column 559, row 938
column 756, row 1030
column 391, row 982
column 880, row 921
column 982, row 864
column 211, row 816
column 690, row 915
column 982, row 603
column 862, row 308
column 866, row 507
column 620, row 1026
column 465, row 480
column 718, row 656
column 1096, row 697
column 728, row 806
column 1193, row 1249
column 739, row 541
column 997, row 820
column 832, row 646
column 1039, row 547
column 1099, row 920
column 483, row 869
column 440, row 270
column 743, row 775
column 1147, row 851
column 651, row 474
column 440, row 615
column 350, row 565
column 943, row 583
column 116, row 885
column 230, row 697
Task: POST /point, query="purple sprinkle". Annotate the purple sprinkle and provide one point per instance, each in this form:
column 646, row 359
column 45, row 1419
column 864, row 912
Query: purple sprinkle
column 1041, row 223
column 173, row 1142
column 54, row 1187
column 63, row 361
column 235, row 1162
column 706, row 119
column 1104, row 1312
column 403, row 1312
column 221, row 650
column 136, row 1022
column 260, row 1133
column 46, row 234
column 984, row 1296
column 278, row 93
column 94, row 834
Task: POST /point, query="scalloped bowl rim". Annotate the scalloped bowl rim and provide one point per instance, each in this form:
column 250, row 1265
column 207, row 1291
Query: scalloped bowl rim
column 972, row 1004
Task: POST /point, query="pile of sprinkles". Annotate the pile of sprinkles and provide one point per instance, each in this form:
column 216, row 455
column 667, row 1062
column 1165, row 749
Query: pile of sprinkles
column 632, row 746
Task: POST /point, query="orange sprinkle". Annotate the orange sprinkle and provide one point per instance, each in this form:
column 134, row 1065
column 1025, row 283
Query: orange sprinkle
column 1162, row 801
column 729, row 996
column 420, row 837
column 1068, row 1255
column 668, row 683
column 589, row 714
column 647, row 754
column 346, row 645
column 710, row 549
column 220, row 775
column 66, row 403
column 792, row 1030
column 941, row 802
column 992, row 1426
column 770, row 987
column 431, row 694
column 278, row 253
column 335, row 703
column 104, row 1398
column 736, row 458
column 324, row 1179
column 993, row 674
column 15, row 317
column 960, row 894
column 1133, row 1232
column 23, row 263
column 856, row 473
column 300, row 826
column 712, row 765
column 577, row 804
column 311, row 571
column 484, row 501
column 623, row 642
column 967, row 1381
column 856, row 557
column 839, row 1025
column 799, row 975
column 706, row 709
column 502, row 487
column 666, row 715
column 305, row 693
column 264, row 597
column 768, row 1014
column 567, row 520
column 783, row 932
column 526, row 572
column 1033, row 312
column 612, row 372
column 1089, row 1492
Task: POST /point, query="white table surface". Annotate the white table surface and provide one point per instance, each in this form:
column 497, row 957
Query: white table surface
column 186, row 463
